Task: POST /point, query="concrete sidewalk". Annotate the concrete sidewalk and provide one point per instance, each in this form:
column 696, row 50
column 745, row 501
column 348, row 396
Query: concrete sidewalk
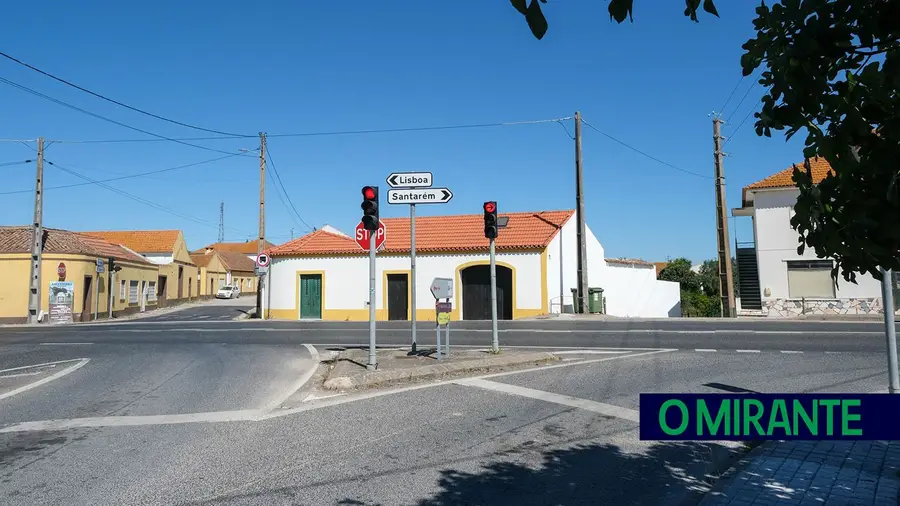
column 813, row 472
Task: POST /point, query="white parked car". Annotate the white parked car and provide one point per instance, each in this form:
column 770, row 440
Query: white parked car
column 228, row 292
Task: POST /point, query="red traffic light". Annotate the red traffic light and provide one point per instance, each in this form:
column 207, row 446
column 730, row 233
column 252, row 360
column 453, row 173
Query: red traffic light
column 368, row 192
column 490, row 207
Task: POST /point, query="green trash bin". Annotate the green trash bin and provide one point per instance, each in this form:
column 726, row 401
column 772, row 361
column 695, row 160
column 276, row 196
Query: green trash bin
column 595, row 300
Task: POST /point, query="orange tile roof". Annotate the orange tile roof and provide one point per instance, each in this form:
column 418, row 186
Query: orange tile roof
column 141, row 241
column 236, row 261
column 439, row 233
column 247, row 248
column 785, row 179
column 201, row 259
column 18, row 240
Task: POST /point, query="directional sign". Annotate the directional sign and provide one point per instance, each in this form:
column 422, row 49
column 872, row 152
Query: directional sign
column 410, row 180
column 99, row 265
column 442, row 288
column 262, row 259
column 362, row 236
column 419, row 196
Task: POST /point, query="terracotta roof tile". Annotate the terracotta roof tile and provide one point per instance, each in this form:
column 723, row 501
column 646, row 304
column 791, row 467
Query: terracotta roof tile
column 784, row 179
column 439, row 233
column 142, row 241
column 18, row 240
column 201, row 259
column 247, row 248
column 236, row 261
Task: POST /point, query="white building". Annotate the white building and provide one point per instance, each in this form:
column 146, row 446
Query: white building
column 775, row 281
column 324, row 275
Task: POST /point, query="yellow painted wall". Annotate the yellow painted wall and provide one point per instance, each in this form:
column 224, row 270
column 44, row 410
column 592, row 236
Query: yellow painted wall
column 180, row 257
column 15, row 270
column 244, row 279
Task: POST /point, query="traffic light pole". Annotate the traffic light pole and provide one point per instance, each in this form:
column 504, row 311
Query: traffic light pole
column 887, row 304
column 495, row 342
column 373, row 359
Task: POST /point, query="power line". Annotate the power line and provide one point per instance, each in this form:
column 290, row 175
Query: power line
column 9, row 164
column 138, row 199
column 104, row 118
column 102, row 97
column 129, row 176
column 636, row 150
column 751, row 111
column 336, row 132
column 742, row 101
column 288, row 197
column 736, row 86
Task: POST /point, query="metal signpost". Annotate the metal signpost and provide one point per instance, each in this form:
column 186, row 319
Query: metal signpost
column 442, row 288
column 887, row 303
column 371, row 225
column 491, row 230
column 97, row 302
column 415, row 188
column 262, row 271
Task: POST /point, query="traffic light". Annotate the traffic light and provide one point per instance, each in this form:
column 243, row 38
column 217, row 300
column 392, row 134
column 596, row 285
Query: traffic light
column 490, row 220
column 370, row 208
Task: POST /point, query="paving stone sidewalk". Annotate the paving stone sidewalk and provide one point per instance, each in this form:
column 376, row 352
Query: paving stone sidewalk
column 831, row 473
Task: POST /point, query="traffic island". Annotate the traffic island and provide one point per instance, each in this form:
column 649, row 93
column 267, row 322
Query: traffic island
column 347, row 366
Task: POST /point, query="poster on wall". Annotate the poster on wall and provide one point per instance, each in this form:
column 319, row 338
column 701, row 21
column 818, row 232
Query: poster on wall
column 62, row 297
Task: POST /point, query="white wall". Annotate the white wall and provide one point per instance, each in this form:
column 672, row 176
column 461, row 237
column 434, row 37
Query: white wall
column 777, row 241
column 347, row 278
column 159, row 259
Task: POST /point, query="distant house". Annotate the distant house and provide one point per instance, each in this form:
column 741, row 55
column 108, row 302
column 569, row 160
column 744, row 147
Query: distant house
column 324, row 274
column 220, row 268
column 75, row 256
column 775, row 280
column 167, row 249
column 248, row 248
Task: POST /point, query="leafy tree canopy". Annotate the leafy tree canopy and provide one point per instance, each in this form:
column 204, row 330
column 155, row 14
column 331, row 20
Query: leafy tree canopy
column 832, row 69
column 619, row 10
column 679, row 270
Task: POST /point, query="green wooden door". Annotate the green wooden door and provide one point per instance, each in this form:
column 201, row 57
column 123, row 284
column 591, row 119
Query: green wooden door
column 310, row 296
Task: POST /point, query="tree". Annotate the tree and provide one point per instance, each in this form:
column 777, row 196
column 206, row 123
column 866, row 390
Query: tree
column 619, row 10
column 679, row 271
column 832, row 68
column 709, row 277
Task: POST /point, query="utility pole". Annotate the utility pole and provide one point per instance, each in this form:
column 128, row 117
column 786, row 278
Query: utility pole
column 261, row 245
column 887, row 302
column 222, row 221
column 726, row 279
column 582, row 289
column 37, row 238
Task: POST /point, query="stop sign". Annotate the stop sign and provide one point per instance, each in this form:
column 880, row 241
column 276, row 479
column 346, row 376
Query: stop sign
column 61, row 271
column 362, row 236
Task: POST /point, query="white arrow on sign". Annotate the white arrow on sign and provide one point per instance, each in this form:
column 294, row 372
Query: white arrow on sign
column 410, row 180
column 419, row 196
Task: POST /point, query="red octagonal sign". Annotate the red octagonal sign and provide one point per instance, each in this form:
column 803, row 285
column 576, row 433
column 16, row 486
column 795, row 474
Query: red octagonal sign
column 362, row 236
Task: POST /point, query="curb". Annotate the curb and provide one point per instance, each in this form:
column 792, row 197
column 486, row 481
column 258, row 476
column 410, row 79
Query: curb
column 245, row 316
column 735, row 465
column 376, row 378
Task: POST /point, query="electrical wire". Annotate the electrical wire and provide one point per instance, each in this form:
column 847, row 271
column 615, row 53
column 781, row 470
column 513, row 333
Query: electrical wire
column 736, row 86
column 129, row 176
column 10, row 164
column 102, row 97
column 288, row 197
column 751, row 111
column 337, row 132
column 742, row 100
column 139, row 199
column 104, row 118
column 636, row 150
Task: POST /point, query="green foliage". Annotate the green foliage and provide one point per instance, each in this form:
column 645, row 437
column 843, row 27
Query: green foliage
column 699, row 291
column 618, row 11
column 832, row 69
column 679, row 271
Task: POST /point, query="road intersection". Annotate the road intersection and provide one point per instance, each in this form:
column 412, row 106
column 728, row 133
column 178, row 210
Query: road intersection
column 194, row 412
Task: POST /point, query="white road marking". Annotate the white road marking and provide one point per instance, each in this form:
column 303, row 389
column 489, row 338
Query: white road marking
column 19, row 375
column 706, row 350
column 259, row 415
column 64, row 344
column 297, row 385
column 565, row 400
column 790, row 351
column 747, row 351
column 79, row 363
column 590, row 352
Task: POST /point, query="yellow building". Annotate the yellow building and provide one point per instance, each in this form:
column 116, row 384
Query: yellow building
column 70, row 284
column 167, row 249
column 222, row 267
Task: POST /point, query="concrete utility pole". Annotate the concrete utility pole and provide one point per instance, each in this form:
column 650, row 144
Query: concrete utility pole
column 222, row 221
column 582, row 289
column 261, row 245
column 726, row 279
column 37, row 238
column 890, row 328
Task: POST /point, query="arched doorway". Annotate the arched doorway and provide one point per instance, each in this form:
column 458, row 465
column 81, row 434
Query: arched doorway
column 476, row 293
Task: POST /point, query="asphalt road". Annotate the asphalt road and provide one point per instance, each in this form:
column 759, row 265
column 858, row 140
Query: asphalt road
column 749, row 335
column 211, row 310
column 509, row 439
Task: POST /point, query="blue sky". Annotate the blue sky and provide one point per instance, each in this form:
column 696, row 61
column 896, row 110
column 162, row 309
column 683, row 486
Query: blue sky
column 295, row 67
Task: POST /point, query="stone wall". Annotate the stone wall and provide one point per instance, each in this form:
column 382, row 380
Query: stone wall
column 787, row 308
